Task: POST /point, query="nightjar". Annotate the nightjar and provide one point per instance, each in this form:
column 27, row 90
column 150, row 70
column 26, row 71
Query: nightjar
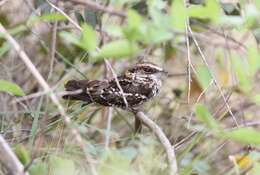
column 138, row 84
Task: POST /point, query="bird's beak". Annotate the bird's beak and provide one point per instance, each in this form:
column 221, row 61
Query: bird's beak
column 165, row 72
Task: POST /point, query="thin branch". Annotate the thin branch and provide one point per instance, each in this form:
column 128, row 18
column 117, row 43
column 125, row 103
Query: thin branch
column 213, row 77
column 188, row 56
column 189, row 63
column 3, row 2
column 197, row 101
column 117, row 82
column 46, row 87
column 9, row 159
column 163, row 139
column 109, row 111
column 64, row 14
column 53, row 47
column 109, row 120
column 185, row 139
column 97, row 7
column 41, row 93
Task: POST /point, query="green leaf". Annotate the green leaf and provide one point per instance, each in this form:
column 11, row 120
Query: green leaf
column 11, row 88
column 133, row 30
column 253, row 60
column 133, row 19
column 39, row 168
column 213, row 10
column 257, row 3
column 117, row 49
column 16, row 30
column 251, row 15
column 204, row 116
column 244, row 135
column 114, row 31
column 88, row 38
column 241, row 71
column 231, row 21
column 203, row 76
column 22, row 154
column 157, row 35
column 87, row 41
column 53, row 17
column 4, row 48
column 61, row 166
column 70, row 37
column 256, row 99
column 210, row 11
column 35, row 124
column 178, row 15
column 158, row 18
column 197, row 11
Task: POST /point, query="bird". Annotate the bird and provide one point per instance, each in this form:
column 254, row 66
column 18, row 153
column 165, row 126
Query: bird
column 136, row 85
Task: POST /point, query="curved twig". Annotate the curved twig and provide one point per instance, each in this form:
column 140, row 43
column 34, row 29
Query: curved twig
column 162, row 138
column 9, row 160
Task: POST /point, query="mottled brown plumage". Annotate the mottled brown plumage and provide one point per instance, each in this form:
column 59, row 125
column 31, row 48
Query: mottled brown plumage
column 139, row 84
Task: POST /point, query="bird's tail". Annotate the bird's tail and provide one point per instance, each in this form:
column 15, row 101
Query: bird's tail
column 74, row 86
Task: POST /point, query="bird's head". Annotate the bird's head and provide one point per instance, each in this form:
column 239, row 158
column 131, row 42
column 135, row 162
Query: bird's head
column 146, row 69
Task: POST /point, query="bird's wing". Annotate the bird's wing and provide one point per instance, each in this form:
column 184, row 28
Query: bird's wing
column 113, row 95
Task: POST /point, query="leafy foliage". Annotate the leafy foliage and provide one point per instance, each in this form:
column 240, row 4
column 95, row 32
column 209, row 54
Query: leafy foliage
column 12, row 88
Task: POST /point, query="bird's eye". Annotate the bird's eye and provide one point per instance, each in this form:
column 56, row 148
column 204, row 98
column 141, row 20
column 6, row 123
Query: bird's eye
column 148, row 70
column 132, row 70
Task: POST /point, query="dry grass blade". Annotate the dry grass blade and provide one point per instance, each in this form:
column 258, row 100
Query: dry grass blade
column 213, row 77
column 117, row 82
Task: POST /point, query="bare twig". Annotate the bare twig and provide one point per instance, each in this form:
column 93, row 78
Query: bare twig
column 47, row 88
column 9, row 160
column 97, row 7
column 198, row 99
column 64, row 14
column 188, row 56
column 109, row 120
column 185, row 139
column 117, row 82
column 163, row 139
column 41, row 93
column 189, row 62
column 213, row 77
column 109, row 110
column 3, row 2
column 53, row 47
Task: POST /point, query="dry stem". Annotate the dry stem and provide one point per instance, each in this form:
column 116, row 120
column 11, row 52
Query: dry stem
column 163, row 139
column 9, row 159
column 212, row 75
